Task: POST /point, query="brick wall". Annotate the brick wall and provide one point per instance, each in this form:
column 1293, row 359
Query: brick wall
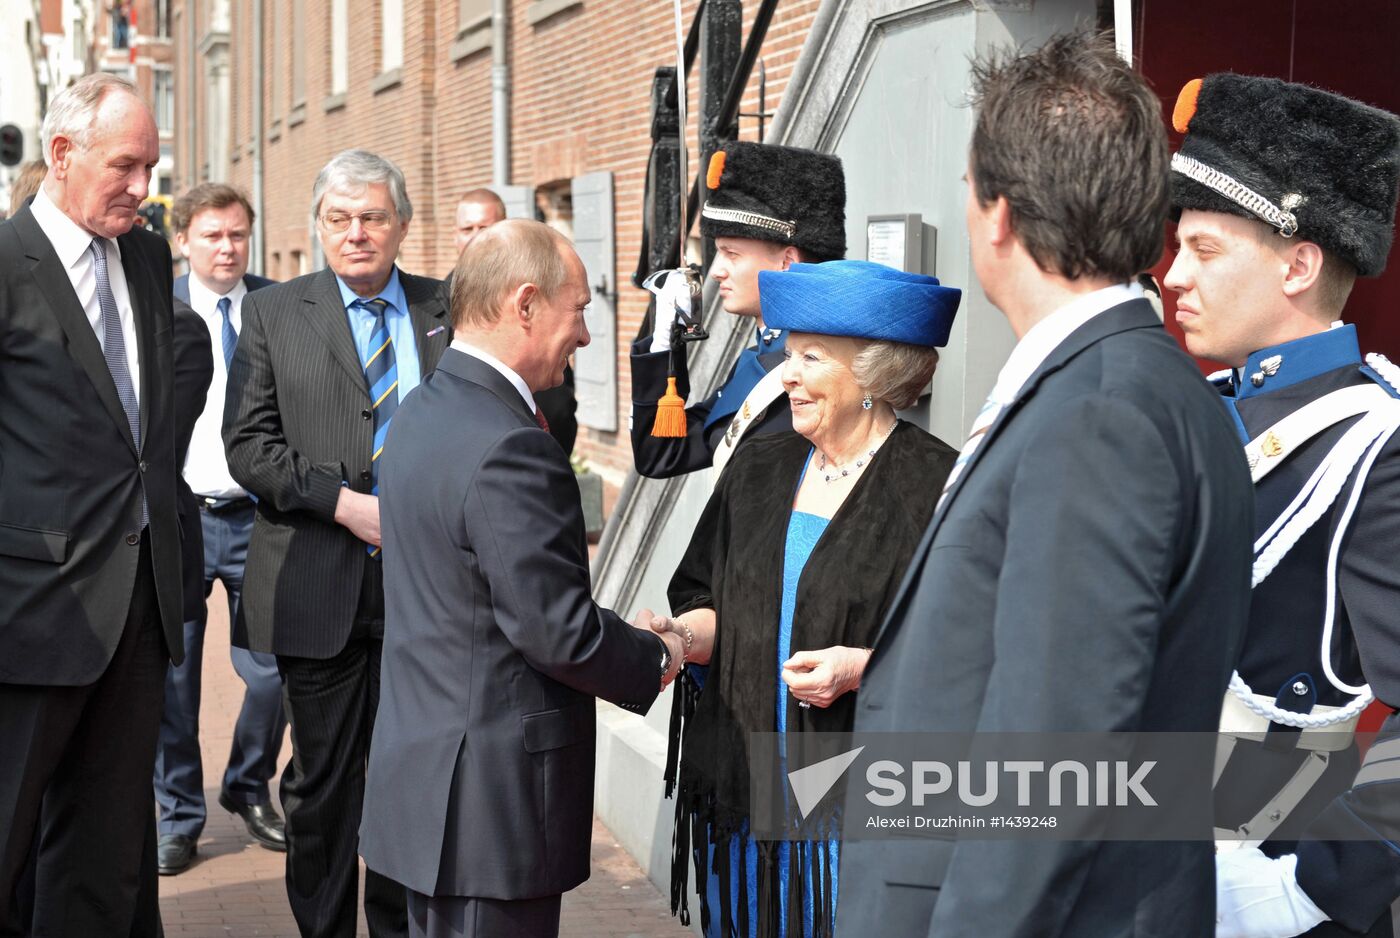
column 580, row 84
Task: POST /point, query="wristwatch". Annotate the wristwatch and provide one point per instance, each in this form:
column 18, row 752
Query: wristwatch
column 665, row 657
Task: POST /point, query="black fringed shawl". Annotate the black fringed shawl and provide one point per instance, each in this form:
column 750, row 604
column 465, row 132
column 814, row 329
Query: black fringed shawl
column 734, row 565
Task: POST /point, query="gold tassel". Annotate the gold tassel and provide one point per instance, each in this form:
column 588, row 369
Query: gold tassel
column 670, row 413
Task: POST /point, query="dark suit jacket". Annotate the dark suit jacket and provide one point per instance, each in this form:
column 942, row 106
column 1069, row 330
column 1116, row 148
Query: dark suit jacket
column 298, row 425
column 664, row 457
column 70, row 476
column 1089, row 571
column 481, row 772
column 251, row 281
column 194, row 369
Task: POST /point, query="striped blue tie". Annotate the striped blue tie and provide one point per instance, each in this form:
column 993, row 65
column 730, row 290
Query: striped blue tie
column 114, row 351
column 382, row 377
column 230, row 336
column 985, row 418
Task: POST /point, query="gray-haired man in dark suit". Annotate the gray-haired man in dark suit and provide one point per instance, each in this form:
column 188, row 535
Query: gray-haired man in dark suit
column 322, row 364
column 89, row 537
column 480, row 796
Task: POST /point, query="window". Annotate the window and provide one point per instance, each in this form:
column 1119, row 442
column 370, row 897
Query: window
column 164, row 80
column 340, row 41
column 162, row 16
column 391, row 35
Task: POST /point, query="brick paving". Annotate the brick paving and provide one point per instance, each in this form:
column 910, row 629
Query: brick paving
column 235, row 887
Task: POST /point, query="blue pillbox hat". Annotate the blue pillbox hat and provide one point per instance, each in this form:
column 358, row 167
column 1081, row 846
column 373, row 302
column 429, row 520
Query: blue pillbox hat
column 859, row 299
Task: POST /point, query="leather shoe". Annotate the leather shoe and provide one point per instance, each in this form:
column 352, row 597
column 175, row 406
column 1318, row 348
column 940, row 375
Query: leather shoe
column 174, row 854
column 264, row 824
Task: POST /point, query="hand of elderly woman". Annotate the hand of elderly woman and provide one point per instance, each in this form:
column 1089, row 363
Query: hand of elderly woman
column 695, row 630
column 819, row 677
column 647, row 620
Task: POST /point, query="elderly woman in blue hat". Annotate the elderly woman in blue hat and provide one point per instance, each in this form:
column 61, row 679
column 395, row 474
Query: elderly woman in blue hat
column 790, row 571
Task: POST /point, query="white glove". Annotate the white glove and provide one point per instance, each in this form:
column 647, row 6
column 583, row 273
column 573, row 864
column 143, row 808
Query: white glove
column 1259, row 897
column 672, row 302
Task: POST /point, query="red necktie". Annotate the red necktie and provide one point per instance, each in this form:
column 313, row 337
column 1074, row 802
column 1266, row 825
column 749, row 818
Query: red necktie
column 539, row 419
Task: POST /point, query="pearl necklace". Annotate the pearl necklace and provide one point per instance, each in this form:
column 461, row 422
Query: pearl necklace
column 838, row 473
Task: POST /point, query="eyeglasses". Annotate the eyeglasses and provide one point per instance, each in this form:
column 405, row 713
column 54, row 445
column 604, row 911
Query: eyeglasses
column 370, row 221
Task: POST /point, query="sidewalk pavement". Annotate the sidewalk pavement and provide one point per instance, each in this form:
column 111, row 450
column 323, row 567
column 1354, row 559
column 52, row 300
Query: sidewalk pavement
column 235, row 887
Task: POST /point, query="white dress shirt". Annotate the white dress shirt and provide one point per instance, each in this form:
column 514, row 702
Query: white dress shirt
column 515, row 380
column 1045, row 336
column 206, row 466
column 73, row 246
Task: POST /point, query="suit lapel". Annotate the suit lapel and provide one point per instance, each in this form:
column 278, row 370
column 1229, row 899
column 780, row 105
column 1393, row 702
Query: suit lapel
column 464, row 366
column 326, row 310
column 57, row 289
column 429, row 315
column 1135, row 314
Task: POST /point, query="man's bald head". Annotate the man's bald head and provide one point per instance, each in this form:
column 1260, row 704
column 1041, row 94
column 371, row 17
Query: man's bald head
column 498, row 261
column 477, row 210
column 520, row 293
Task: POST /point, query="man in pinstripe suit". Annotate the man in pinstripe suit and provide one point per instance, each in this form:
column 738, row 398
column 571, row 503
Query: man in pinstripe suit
column 322, row 363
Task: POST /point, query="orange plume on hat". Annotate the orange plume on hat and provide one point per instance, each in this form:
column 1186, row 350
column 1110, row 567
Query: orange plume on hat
column 1186, row 105
column 716, row 170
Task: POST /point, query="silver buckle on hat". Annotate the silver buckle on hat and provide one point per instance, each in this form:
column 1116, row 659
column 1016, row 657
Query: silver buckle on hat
column 785, row 228
column 1281, row 217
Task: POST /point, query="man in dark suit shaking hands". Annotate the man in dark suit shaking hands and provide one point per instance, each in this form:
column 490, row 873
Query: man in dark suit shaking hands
column 1087, row 569
column 480, row 796
column 323, row 362
column 89, row 545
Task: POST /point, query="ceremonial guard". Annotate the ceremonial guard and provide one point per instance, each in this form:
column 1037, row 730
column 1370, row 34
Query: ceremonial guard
column 767, row 208
column 1286, row 194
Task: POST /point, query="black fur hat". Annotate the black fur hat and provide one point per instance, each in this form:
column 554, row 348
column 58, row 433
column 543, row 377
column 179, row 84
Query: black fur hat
column 781, row 194
column 1295, row 157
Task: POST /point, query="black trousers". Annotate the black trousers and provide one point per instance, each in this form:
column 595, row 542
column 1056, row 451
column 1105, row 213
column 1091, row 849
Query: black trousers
column 330, row 704
column 468, row 917
column 75, row 769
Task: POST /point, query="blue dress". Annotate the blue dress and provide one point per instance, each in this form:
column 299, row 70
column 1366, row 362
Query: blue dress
column 804, row 530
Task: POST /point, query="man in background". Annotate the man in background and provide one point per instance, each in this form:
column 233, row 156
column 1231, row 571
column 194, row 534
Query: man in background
column 477, row 210
column 1286, row 195
column 322, row 364
column 767, row 207
column 213, row 223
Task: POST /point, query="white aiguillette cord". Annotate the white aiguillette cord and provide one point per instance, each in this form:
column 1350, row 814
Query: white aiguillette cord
column 1361, row 444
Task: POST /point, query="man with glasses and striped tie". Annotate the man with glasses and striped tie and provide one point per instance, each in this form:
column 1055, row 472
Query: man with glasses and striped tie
column 89, row 543
column 323, row 362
